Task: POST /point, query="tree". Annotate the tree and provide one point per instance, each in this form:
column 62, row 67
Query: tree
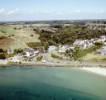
column 2, row 56
column 16, row 51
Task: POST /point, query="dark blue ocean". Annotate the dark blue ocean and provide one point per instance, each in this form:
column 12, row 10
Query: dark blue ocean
column 41, row 83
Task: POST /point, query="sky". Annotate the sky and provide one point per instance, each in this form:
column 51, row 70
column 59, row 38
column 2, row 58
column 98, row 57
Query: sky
column 18, row 10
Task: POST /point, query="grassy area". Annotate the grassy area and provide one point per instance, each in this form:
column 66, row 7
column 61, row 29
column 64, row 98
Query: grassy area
column 20, row 36
column 34, row 44
column 94, row 57
column 56, row 56
column 6, row 31
column 79, row 53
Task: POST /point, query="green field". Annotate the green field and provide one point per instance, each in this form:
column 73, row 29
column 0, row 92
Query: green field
column 18, row 35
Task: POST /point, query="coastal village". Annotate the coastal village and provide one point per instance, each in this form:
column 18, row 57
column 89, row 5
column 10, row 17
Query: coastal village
column 52, row 49
column 55, row 54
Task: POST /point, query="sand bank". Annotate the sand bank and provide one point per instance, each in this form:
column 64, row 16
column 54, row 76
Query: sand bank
column 95, row 70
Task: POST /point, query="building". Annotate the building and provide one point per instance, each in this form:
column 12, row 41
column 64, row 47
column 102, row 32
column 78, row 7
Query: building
column 102, row 51
column 10, row 51
column 64, row 48
column 15, row 59
column 29, row 52
column 83, row 44
column 52, row 49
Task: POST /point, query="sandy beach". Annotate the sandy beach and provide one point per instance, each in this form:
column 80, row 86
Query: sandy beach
column 95, row 70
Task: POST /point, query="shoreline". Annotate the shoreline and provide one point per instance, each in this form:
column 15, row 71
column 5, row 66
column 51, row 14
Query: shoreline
column 73, row 64
column 95, row 68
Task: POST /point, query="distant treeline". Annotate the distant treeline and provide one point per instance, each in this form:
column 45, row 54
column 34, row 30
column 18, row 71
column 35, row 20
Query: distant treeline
column 103, row 21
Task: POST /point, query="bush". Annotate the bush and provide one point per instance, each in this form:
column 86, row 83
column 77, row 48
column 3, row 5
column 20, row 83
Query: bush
column 3, row 37
column 56, row 56
column 39, row 58
column 1, row 50
column 2, row 56
column 3, row 31
column 31, row 35
column 16, row 51
column 98, row 44
column 34, row 44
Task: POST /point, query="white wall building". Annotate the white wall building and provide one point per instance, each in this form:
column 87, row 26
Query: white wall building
column 83, row 44
column 15, row 59
column 52, row 49
column 10, row 51
column 29, row 52
column 102, row 51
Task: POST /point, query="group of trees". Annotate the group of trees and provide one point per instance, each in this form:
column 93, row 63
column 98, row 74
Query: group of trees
column 2, row 54
column 34, row 44
column 67, row 35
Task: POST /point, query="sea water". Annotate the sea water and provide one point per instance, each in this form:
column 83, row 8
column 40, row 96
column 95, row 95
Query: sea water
column 50, row 83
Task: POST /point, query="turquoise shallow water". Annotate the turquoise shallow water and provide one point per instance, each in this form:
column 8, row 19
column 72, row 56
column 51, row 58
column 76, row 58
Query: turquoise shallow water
column 43, row 83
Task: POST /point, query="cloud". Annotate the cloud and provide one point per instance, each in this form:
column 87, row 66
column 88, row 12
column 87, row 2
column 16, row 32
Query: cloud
column 6, row 13
column 2, row 10
column 77, row 11
column 13, row 12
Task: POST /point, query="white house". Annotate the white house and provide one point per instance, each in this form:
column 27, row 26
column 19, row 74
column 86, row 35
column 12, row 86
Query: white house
column 103, row 38
column 29, row 52
column 102, row 51
column 83, row 44
column 3, row 61
column 10, row 51
column 62, row 49
column 15, row 59
column 52, row 48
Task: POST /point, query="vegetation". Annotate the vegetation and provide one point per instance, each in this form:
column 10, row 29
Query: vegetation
column 34, row 44
column 2, row 56
column 3, row 31
column 36, row 38
column 39, row 58
column 3, row 37
column 16, row 51
column 67, row 35
column 56, row 56
column 78, row 53
column 104, row 59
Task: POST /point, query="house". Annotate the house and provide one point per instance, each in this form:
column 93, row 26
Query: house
column 2, row 62
column 103, row 38
column 29, row 52
column 15, row 59
column 83, row 44
column 71, row 48
column 79, row 43
column 10, row 51
column 52, row 48
column 62, row 49
column 102, row 51
column 105, row 43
